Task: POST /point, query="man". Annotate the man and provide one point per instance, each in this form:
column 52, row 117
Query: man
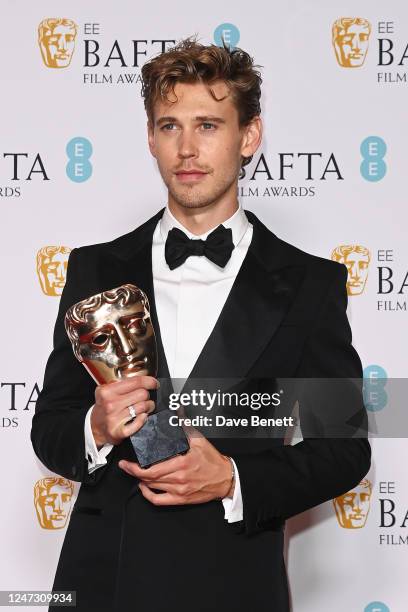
column 190, row 533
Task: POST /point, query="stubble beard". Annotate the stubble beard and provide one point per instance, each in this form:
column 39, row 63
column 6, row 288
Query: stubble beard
column 194, row 196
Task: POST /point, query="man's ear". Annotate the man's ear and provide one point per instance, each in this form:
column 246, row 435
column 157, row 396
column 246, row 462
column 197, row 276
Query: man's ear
column 150, row 138
column 252, row 137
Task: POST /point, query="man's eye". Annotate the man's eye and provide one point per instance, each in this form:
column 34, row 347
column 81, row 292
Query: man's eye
column 206, row 123
column 100, row 339
column 166, row 126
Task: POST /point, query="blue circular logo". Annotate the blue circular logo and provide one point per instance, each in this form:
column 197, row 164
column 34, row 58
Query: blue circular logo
column 373, row 166
column 79, row 168
column 228, row 33
column 376, row 606
column 374, row 394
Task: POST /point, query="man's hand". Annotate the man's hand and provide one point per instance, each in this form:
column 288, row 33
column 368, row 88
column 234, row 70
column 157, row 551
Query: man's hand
column 201, row 475
column 110, row 415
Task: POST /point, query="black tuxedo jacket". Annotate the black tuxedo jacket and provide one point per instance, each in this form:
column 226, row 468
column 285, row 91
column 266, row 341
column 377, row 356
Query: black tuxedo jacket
column 285, row 316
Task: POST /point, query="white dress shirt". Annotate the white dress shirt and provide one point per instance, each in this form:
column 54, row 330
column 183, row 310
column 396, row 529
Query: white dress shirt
column 197, row 288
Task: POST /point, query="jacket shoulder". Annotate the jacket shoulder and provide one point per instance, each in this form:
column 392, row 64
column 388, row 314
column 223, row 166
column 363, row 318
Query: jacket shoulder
column 273, row 248
column 120, row 243
column 315, row 264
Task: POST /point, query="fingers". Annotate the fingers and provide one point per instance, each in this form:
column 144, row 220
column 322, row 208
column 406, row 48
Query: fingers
column 137, row 423
column 127, row 385
column 147, row 406
column 160, row 471
column 121, row 402
column 160, row 499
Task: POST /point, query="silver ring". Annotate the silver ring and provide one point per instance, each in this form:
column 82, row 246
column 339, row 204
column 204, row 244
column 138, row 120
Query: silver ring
column 132, row 411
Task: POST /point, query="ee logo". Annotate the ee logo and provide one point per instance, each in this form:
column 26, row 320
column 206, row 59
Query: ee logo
column 376, row 606
column 228, row 33
column 374, row 394
column 79, row 168
column 373, row 166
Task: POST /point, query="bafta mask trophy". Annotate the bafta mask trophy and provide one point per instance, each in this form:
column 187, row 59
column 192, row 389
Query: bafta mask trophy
column 113, row 337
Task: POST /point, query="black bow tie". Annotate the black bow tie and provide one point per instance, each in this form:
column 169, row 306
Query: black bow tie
column 217, row 247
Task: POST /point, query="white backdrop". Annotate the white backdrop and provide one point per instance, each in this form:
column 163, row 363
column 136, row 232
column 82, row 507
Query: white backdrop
column 310, row 104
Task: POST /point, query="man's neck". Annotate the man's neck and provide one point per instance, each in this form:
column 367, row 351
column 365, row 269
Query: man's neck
column 198, row 221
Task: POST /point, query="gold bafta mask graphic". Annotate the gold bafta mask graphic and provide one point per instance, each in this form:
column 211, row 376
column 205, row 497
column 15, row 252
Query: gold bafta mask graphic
column 52, row 264
column 56, row 38
column 353, row 507
column 357, row 259
column 52, row 501
column 350, row 41
column 112, row 334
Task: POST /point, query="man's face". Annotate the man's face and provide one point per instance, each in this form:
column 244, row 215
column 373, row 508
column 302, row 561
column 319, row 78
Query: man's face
column 118, row 342
column 351, row 47
column 53, row 273
column 352, row 507
column 357, row 266
column 202, row 134
column 59, row 46
column 54, row 506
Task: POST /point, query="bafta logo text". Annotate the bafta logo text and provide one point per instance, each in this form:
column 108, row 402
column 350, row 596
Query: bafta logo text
column 353, row 507
column 350, row 41
column 52, row 501
column 357, row 259
column 52, row 264
column 56, row 38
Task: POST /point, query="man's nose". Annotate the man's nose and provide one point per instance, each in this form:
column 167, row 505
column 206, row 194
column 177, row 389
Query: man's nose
column 187, row 146
column 57, row 505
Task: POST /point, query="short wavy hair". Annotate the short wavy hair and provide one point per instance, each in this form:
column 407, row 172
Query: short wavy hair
column 190, row 61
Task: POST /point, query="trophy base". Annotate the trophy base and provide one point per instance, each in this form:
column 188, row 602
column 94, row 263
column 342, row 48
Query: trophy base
column 157, row 440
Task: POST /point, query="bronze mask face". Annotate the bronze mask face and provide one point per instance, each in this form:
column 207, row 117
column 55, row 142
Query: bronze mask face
column 112, row 334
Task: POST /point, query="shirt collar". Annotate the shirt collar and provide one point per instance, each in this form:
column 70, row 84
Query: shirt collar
column 238, row 223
